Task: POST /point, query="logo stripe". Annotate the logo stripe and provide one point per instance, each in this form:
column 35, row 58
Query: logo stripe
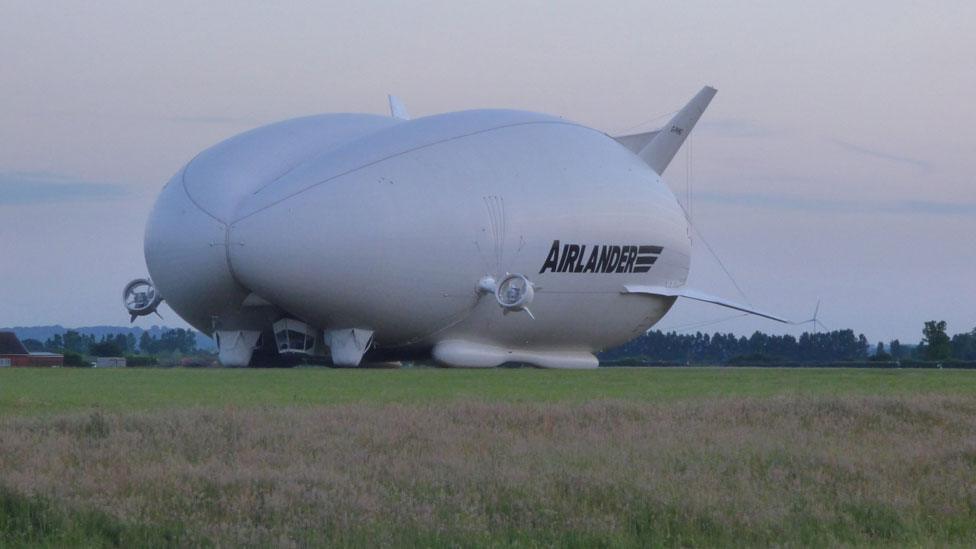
column 600, row 258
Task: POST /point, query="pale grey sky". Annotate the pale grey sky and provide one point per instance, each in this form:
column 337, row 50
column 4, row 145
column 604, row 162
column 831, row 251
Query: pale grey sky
column 836, row 161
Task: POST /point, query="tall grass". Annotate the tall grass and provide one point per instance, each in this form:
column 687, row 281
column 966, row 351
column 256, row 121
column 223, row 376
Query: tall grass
column 778, row 471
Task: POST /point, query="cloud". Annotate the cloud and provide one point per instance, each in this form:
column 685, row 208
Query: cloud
column 46, row 188
column 799, row 203
column 210, row 120
column 232, row 120
column 865, row 151
column 736, row 127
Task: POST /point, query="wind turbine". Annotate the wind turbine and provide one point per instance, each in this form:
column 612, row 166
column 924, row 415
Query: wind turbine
column 816, row 323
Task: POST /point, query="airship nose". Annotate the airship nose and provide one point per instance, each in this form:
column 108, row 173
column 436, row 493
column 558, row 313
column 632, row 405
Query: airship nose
column 186, row 257
column 187, row 233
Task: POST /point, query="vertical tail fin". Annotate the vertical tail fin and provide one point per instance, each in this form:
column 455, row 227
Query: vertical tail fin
column 662, row 148
column 397, row 108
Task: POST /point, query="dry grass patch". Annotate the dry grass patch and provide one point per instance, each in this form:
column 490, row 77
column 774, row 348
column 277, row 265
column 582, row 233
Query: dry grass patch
column 851, row 470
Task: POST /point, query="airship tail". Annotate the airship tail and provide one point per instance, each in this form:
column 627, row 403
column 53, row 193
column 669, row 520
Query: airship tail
column 666, row 142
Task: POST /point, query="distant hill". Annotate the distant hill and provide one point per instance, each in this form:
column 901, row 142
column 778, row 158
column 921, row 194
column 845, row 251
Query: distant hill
column 42, row 333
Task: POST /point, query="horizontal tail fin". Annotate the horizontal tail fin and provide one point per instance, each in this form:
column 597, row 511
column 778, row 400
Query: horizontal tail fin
column 662, row 148
column 700, row 296
column 636, row 141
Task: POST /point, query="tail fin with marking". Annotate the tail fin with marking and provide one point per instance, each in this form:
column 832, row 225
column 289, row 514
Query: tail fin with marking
column 665, row 144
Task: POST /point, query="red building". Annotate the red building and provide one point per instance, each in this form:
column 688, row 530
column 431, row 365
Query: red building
column 13, row 353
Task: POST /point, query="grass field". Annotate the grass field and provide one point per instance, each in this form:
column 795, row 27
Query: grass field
column 32, row 391
column 615, row 457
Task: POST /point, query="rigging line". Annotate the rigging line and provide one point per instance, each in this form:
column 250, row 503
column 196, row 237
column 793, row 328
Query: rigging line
column 702, row 324
column 719, row 260
column 504, row 230
column 644, row 123
column 715, row 255
column 691, row 175
column 687, row 210
column 688, row 179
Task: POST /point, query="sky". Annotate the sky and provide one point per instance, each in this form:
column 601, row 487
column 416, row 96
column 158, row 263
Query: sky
column 835, row 164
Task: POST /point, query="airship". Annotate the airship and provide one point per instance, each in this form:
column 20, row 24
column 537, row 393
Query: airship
column 473, row 238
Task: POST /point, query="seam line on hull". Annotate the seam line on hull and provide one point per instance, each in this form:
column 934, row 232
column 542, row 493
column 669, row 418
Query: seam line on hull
column 190, row 196
column 227, row 259
column 394, row 155
column 223, row 224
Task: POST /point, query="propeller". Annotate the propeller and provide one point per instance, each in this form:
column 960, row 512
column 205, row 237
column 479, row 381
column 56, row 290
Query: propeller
column 513, row 293
column 141, row 298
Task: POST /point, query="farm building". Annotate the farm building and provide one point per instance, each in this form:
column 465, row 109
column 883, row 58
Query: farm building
column 13, row 353
column 109, row 362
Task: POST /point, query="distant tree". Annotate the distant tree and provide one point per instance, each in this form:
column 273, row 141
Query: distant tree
column 178, row 340
column 935, row 341
column 146, row 346
column 33, row 345
column 76, row 342
column 963, row 345
column 879, row 353
column 74, row 360
column 54, row 344
column 171, row 341
column 130, row 343
column 861, row 351
column 895, row 350
column 120, row 340
column 839, row 345
column 106, row 347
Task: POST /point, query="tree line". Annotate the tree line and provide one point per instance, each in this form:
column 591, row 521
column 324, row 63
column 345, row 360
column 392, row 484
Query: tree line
column 672, row 347
column 176, row 340
column 818, row 347
column 937, row 345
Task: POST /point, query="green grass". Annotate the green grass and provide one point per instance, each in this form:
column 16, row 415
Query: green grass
column 33, row 521
column 33, row 391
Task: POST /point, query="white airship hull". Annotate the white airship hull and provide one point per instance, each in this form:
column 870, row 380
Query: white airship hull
column 399, row 245
column 385, row 235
